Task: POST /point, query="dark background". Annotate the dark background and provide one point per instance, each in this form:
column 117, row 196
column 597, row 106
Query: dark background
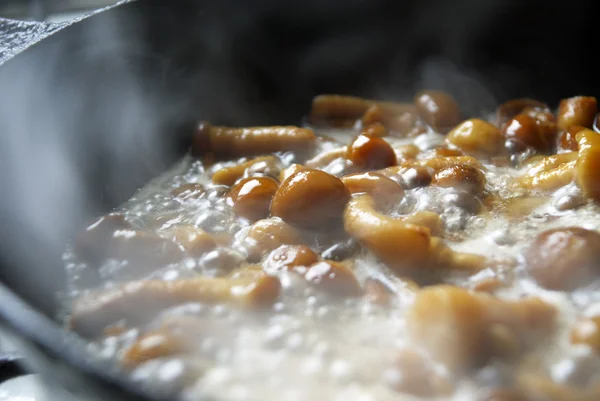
column 482, row 51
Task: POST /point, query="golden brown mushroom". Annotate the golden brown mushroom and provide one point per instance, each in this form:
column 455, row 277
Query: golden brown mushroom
column 333, row 277
column 588, row 163
column 578, row 110
column 371, row 153
column 287, row 257
column 452, row 324
column 551, row 172
column 385, row 191
column 310, row 199
column 270, row 165
column 269, row 234
column 140, row 300
column 564, row 258
column 438, row 109
column 509, row 109
column 398, row 242
column 477, row 136
column 226, row 141
column 465, row 178
column 251, row 197
column 587, row 331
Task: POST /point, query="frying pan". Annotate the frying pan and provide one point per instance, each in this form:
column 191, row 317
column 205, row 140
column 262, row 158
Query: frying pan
column 91, row 111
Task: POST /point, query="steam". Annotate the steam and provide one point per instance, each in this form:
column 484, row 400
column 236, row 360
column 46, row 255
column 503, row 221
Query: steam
column 88, row 116
column 74, row 125
column 474, row 98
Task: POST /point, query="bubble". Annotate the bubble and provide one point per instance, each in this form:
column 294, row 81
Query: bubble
column 223, row 356
column 212, row 221
column 194, row 309
column 219, row 262
column 340, row 370
column 208, row 344
column 108, row 348
column 323, row 312
column 454, row 219
column 294, row 341
column 493, row 376
column 170, row 275
column 429, row 141
column 477, row 222
column 322, row 349
column 392, row 377
column 337, row 167
column 171, row 370
column 274, row 335
column 219, row 376
column 568, row 201
column 313, row 366
column 219, row 310
column 503, row 237
column 240, row 392
column 292, row 284
column 580, row 369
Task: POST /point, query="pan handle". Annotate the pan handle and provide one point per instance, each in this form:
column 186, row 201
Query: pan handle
column 11, row 366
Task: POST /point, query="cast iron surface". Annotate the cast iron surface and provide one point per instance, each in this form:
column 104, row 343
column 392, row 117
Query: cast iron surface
column 119, row 91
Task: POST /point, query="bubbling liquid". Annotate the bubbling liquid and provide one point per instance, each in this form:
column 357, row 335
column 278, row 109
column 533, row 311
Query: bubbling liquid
column 309, row 344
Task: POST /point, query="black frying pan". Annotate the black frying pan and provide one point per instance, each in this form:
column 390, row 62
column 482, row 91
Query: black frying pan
column 93, row 111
